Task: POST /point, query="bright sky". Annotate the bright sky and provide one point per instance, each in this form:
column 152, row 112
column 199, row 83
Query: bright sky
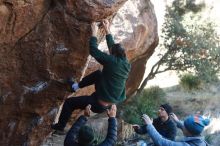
column 170, row 78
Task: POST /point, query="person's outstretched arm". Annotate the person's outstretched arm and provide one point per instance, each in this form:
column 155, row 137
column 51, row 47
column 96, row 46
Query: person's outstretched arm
column 111, row 137
column 101, row 57
column 71, row 136
column 156, row 137
column 109, row 39
column 159, row 140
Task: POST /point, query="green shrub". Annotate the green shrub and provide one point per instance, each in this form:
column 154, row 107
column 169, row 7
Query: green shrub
column 190, row 82
column 147, row 102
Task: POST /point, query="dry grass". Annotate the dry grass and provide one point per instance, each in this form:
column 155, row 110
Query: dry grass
column 205, row 102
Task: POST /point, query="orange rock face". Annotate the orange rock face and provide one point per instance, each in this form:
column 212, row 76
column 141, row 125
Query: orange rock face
column 46, row 40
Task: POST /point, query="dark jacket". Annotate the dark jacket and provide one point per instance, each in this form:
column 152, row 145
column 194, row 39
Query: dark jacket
column 110, row 140
column 111, row 87
column 167, row 129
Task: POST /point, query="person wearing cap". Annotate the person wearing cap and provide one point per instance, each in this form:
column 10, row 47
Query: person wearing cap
column 81, row 135
column 109, row 83
column 192, row 128
column 163, row 124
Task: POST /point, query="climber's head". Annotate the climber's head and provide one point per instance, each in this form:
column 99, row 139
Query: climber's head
column 117, row 50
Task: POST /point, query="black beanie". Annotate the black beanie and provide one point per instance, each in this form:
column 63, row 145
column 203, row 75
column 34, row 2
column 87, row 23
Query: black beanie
column 167, row 108
column 86, row 135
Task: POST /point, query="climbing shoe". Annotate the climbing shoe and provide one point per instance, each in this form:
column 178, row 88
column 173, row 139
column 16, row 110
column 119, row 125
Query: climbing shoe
column 58, row 132
column 57, row 127
column 65, row 84
column 70, row 82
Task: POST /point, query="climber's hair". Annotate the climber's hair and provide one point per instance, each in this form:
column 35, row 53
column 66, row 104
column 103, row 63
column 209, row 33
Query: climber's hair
column 118, row 51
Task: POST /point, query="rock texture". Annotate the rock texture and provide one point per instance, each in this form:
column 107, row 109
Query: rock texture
column 46, row 40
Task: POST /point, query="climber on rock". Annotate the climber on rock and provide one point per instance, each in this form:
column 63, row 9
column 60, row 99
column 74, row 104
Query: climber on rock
column 109, row 83
column 82, row 135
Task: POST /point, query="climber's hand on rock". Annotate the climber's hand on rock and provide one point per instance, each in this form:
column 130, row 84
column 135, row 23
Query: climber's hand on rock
column 106, row 25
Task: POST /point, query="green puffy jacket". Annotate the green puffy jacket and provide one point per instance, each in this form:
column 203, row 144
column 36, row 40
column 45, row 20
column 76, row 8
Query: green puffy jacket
column 114, row 74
